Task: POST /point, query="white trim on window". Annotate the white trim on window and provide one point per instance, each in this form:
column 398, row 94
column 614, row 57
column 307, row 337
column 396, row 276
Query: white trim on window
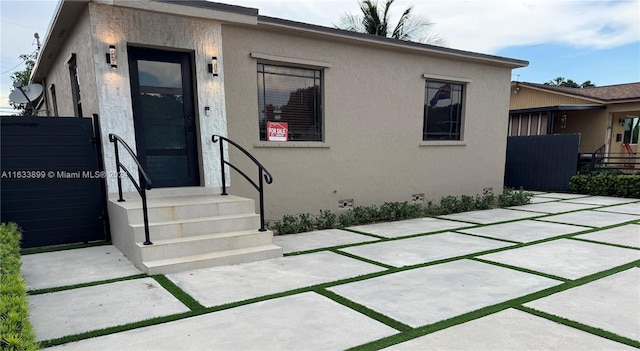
column 298, row 61
column 446, row 78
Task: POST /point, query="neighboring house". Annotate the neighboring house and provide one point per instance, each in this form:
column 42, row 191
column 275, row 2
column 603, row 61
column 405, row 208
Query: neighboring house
column 606, row 116
column 370, row 119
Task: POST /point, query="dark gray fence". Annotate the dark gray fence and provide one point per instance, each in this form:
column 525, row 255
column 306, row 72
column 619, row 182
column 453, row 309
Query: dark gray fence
column 52, row 185
column 541, row 162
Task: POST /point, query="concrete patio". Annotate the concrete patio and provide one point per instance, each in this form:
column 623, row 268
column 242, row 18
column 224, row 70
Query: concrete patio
column 562, row 273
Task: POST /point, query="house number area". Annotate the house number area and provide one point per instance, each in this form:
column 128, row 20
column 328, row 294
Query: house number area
column 61, row 174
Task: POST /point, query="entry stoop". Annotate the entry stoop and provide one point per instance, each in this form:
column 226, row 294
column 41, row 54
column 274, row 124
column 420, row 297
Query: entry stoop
column 190, row 228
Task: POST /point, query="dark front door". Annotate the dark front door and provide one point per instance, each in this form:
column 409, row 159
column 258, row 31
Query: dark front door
column 164, row 116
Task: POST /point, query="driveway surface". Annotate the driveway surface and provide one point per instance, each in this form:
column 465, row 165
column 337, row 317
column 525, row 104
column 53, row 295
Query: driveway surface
column 560, row 274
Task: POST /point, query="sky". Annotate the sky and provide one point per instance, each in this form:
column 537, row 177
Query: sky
column 577, row 39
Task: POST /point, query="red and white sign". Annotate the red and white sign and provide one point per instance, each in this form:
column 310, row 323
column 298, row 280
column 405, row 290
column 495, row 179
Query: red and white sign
column 277, row 131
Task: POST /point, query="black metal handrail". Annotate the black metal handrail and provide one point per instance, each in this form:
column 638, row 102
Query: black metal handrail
column 262, row 173
column 143, row 185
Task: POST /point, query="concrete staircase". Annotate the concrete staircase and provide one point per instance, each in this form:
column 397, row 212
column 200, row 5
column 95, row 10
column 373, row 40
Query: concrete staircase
column 190, row 228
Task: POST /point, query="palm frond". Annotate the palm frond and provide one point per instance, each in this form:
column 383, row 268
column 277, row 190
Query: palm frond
column 350, row 22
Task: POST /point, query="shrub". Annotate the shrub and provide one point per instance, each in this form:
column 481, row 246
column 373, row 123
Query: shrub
column 16, row 332
column 512, row 197
column 606, row 184
column 395, row 211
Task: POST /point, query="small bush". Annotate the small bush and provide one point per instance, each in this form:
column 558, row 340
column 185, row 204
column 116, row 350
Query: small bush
column 512, row 197
column 16, row 332
column 606, row 184
column 396, row 211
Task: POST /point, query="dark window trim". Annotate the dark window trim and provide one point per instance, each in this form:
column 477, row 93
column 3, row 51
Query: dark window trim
column 318, row 75
column 453, row 136
column 54, row 99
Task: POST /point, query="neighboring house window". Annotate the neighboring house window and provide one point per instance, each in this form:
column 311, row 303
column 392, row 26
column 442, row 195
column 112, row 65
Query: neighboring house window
column 631, row 130
column 442, row 111
column 292, row 95
column 528, row 124
column 54, row 99
column 75, row 86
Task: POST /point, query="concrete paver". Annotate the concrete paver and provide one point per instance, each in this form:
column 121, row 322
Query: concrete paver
column 524, row 231
column 591, row 218
column 417, row 250
column 538, row 199
column 319, row 239
column 305, row 321
column 553, row 207
column 566, row 258
column 69, row 312
column 70, row 267
column 430, row 294
column 491, row 216
column 627, row 235
column 632, row 208
column 605, row 303
column 510, row 330
column 409, row 227
column 220, row 285
column 602, row 200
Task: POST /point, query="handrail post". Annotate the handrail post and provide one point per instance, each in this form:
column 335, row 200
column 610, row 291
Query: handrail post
column 262, row 226
column 145, row 215
column 593, row 162
column 115, row 145
column 224, row 181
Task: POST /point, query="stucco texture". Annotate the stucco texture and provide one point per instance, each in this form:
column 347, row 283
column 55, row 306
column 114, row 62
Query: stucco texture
column 373, row 100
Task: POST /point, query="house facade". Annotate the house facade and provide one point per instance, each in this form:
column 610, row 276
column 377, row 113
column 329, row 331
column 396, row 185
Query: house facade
column 606, row 116
column 367, row 119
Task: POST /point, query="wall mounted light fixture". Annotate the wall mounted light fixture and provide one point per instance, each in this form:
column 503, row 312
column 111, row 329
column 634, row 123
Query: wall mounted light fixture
column 621, row 122
column 213, row 66
column 563, row 121
column 112, row 58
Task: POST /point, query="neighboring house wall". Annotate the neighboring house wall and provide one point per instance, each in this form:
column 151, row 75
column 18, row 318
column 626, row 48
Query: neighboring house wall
column 590, row 124
column 79, row 42
column 530, row 98
column 373, row 103
column 121, row 27
column 618, row 112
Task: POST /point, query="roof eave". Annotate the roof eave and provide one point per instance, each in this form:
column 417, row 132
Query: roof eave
column 306, row 28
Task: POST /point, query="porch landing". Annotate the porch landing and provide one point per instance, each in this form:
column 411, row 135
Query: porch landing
column 190, row 228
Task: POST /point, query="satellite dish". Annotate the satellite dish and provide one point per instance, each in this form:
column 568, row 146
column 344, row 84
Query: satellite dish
column 26, row 94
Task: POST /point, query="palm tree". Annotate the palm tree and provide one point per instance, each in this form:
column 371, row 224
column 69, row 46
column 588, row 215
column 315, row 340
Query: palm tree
column 376, row 20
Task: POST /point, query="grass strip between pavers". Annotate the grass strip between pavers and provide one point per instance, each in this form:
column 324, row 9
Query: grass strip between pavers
column 520, row 269
column 84, row 285
column 395, row 324
column 605, row 243
column 513, row 303
column 583, row 327
column 178, row 293
column 37, row 250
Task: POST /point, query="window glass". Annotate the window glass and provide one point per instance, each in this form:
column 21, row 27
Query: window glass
column 631, row 130
column 442, row 111
column 291, row 95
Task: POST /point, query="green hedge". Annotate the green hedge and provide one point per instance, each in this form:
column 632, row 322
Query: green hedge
column 16, row 332
column 607, row 184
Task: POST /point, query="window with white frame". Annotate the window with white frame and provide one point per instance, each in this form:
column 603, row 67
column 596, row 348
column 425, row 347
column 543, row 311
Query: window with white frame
column 442, row 110
column 292, row 95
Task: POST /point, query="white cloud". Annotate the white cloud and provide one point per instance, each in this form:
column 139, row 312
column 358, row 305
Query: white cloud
column 489, row 25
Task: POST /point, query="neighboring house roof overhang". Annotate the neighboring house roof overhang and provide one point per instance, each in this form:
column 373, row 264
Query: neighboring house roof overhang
column 558, row 108
column 68, row 12
column 608, row 94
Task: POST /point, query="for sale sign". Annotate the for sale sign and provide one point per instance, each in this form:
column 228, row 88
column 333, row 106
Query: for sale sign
column 277, row 131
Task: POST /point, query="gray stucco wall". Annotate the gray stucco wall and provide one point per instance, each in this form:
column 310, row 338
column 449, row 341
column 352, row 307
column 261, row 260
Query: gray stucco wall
column 124, row 26
column 373, row 117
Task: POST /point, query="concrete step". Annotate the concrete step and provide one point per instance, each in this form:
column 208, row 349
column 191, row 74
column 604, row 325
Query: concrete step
column 219, row 258
column 162, row 209
column 201, row 244
column 197, row 226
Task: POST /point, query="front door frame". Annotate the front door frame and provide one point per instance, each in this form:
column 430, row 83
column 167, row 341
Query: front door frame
column 192, row 140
